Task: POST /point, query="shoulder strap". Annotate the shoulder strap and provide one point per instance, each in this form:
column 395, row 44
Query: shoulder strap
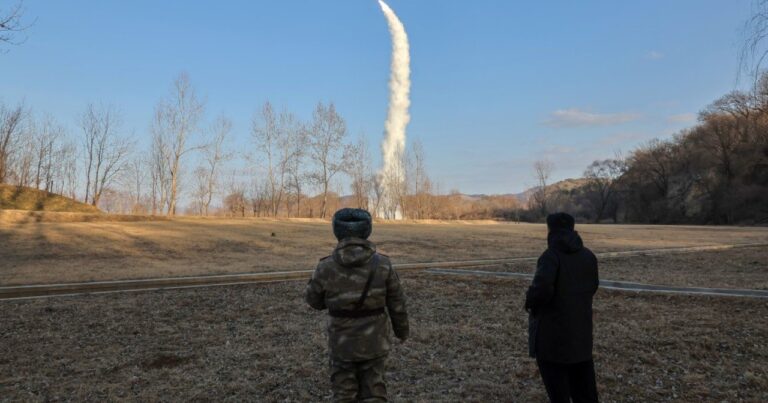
column 374, row 264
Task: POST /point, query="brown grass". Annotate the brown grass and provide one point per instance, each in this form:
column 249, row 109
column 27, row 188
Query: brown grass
column 261, row 342
column 18, row 217
column 50, row 252
column 728, row 268
column 24, row 198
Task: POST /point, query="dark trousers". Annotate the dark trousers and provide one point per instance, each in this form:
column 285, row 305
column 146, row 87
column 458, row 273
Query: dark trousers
column 361, row 381
column 569, row 381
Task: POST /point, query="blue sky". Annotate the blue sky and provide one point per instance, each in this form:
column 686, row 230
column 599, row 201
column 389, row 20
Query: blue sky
column 496, row 84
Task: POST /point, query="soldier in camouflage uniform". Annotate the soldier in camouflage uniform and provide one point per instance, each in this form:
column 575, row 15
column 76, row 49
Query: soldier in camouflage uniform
column 358, row 287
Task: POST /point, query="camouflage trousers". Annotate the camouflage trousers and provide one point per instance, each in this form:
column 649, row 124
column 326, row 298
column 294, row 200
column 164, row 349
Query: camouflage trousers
column 360, row 381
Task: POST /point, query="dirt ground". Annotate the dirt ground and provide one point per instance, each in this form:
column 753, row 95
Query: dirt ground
column 52, row 252
column 260, row 342
column 730, row 268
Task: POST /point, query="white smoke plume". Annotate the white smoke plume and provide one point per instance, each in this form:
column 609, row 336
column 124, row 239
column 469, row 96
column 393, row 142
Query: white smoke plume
column 393, row 146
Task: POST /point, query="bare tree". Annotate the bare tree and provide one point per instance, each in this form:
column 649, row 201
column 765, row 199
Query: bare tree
column 298, row 140
column 753, row 47
column 235, row 201
column 93, row 122
column 176, row 119
column 47, row 136
column 272, row 136
column 159, row 176
column 359, row 170
column 134, row 179
column 259, row 197
column 200, row 190
column 68, row 168
column 739, row 106
column 601, row 184
column 542, row 169
column 721, row 140
column 21, row 167
column 213, row 156
column 11, row 24
column 44, row 157
column 10, row 132
column 656, row 157
column 327, row 149
column 105, row 150
column 376, row 193
column 422, row 185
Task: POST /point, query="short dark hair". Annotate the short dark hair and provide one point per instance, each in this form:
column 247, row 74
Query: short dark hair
column 560, row 221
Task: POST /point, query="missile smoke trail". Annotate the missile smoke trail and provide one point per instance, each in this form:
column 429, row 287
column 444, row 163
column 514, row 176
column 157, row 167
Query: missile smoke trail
column 393, row 145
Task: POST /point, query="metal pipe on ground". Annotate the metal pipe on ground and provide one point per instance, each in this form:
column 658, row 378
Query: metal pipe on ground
column 67, row 289
column 622, row 285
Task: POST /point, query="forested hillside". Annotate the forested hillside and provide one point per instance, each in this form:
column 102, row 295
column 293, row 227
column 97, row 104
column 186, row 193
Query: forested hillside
column 713, row 173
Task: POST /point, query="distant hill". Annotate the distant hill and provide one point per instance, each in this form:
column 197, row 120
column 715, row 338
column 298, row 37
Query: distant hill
column 563, row 185
column 24, row 198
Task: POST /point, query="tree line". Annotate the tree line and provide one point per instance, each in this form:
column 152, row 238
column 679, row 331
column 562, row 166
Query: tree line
column 289, row 168
column 101, row 165
column 715, row 172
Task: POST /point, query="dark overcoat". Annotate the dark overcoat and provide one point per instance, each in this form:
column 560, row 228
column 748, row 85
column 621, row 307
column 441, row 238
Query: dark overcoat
column 559, row 300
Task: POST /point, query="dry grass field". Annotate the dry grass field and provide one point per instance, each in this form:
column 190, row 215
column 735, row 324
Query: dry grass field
column 260, row 342
column 51, row 252
column 730, row 268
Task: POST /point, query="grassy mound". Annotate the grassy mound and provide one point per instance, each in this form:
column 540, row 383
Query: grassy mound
column 24, row 198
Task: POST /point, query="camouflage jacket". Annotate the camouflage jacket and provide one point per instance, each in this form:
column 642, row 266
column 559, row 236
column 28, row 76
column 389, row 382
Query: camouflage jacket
column 338, row 282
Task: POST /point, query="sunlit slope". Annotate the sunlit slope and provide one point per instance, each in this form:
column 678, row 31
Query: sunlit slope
column 24, row 198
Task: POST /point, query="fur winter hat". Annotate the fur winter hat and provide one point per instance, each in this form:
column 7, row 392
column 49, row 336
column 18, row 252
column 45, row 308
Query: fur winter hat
column 352, row 222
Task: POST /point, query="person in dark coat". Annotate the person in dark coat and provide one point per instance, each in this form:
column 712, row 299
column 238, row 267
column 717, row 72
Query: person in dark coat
column 559, row 303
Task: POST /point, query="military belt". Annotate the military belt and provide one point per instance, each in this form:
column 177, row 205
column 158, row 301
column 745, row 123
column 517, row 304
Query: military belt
column 358, row 313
